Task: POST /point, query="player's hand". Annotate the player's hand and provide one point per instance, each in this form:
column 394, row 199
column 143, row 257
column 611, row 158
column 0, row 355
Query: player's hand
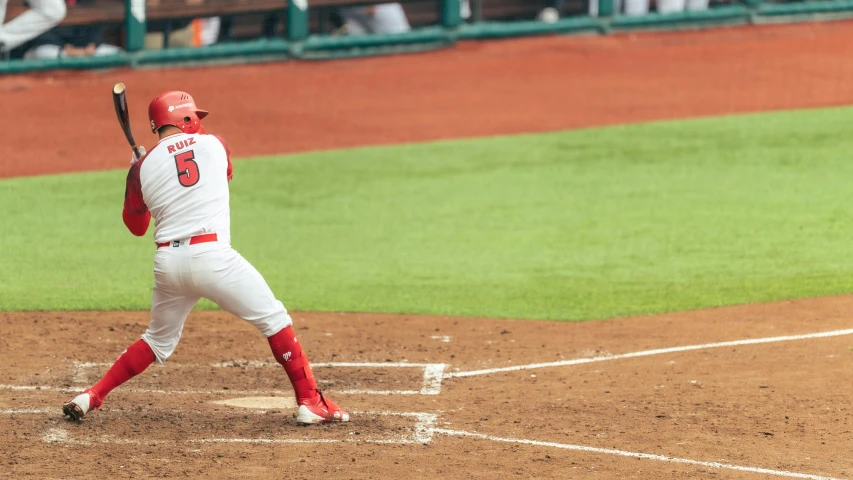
column 134, row 158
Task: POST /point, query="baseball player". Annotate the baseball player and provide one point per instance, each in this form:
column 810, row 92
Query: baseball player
column 41, row 17
column 183, row 183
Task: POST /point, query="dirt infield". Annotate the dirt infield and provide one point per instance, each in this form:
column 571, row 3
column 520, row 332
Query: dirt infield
column 65, row 122
column 434, row 398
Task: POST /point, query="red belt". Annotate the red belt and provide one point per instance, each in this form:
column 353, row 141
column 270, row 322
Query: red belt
column 208, row 237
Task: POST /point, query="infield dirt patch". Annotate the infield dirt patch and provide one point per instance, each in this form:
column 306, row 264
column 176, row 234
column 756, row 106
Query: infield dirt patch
column 782, row 405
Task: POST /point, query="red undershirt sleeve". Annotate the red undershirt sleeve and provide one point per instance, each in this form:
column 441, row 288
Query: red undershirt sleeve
column 135, row 214
column 230, row 171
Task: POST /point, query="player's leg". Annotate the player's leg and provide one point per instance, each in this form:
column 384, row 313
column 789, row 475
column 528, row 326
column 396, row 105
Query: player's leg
column 226, row 278
column 41, row 17
column 169, row 311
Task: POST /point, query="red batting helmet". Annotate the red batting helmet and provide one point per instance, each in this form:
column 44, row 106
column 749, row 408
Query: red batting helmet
column 175, row 108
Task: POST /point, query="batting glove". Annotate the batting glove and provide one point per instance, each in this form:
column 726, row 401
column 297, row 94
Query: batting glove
column 134, row 158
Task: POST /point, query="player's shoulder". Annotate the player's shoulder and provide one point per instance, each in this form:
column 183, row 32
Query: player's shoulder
column 214, row 137
column 216, row 140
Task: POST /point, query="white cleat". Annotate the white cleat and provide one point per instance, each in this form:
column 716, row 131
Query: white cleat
column 79, row 406
column 320, row 410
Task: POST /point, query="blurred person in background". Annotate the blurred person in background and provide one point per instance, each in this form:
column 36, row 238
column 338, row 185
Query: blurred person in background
column 68, row 41
column 382, row 18
column 183, row 33
column 670, row 6
column 465, row 10
column 551, row 12
column 198, row 32
column 41, row 17
column 76, row 41
column 641, row 7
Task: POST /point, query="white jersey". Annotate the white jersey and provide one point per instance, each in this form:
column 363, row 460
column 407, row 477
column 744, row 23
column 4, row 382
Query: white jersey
column 183, row 183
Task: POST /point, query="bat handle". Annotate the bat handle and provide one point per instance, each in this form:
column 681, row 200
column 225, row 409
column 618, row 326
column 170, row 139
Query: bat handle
column 136, row 151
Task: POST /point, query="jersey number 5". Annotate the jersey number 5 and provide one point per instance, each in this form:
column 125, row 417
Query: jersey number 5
column 187, row 168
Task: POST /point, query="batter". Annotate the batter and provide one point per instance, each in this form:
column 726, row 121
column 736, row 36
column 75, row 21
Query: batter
column 183, row 183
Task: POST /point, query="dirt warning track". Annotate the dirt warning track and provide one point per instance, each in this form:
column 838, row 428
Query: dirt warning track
column 64, row 122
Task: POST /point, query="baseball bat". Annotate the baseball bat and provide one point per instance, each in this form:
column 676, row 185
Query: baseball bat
column 120, row 103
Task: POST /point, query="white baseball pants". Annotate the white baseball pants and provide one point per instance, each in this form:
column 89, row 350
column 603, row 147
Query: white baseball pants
column 43, row 16
column 185, row 274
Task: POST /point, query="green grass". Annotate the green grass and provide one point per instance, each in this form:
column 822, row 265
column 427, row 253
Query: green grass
column 575, row 225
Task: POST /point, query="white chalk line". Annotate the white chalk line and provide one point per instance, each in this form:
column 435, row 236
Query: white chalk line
column 25, row 411
column 375, row 392
column 25, row 387
column 646, row 353
column 147, row 390
column 214, row 392
column 60, row 435
column 433, row 375
column 422, row 433
column 424, row 427
column 431, row 384
column 622, row 453
column 262, row 363
column 56, row 435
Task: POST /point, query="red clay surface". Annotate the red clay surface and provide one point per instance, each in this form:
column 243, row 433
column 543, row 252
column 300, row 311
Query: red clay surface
column 783, row 405
column 64, row 122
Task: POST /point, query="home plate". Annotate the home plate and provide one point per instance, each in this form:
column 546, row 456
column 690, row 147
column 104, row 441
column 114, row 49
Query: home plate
column 260, row 402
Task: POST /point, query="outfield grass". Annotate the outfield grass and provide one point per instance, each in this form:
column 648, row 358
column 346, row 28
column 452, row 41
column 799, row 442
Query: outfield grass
column 576, row 225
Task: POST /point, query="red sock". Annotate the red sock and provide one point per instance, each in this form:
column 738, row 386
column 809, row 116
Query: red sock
column 289, row 354
column 131, row 363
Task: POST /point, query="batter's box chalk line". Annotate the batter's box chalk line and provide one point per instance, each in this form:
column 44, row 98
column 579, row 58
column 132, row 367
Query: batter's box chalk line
column 425, row 430
column 433, row 374
column 423, row 433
